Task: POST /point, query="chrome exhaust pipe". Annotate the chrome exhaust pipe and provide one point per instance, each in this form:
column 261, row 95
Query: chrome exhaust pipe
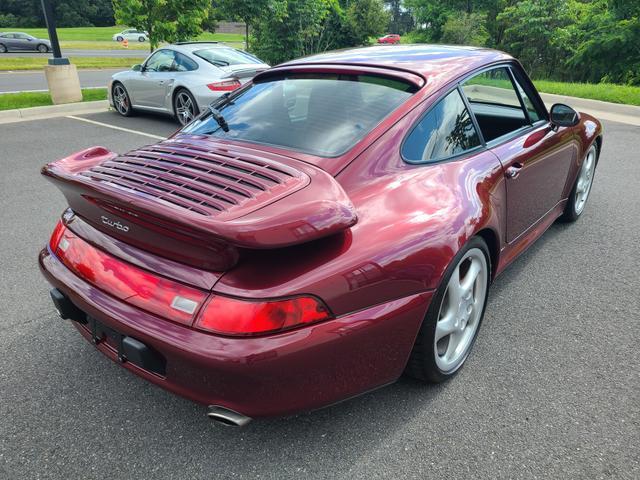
column 227, row 417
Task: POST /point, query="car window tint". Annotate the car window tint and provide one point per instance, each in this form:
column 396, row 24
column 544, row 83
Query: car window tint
column 445, row 131
column 184, row 63
column 495, row 103
column 222, row 57
column 161, row 61
column 319, row 114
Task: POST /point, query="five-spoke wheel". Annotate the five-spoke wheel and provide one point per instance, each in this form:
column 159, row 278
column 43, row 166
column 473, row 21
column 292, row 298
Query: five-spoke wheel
column 454, row 316
column 461, row 310
column 121, row 100
column 184, row 106
column 582, row 186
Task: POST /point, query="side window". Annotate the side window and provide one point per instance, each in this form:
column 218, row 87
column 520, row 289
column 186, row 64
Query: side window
column 495, row 103
column 445, row 131
column 184, row 63
column 161, row 61
column 534, row 114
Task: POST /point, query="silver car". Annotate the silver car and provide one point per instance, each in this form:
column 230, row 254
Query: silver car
column 23, row 41
column 182, row 79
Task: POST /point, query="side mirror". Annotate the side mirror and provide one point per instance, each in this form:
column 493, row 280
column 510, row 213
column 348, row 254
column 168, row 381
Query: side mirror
column 137, row 67
column 563, row 116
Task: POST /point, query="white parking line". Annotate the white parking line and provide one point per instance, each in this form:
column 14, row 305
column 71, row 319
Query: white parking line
column 128, row 130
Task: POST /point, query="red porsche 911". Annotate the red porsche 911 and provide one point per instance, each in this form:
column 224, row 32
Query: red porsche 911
column 316, row 233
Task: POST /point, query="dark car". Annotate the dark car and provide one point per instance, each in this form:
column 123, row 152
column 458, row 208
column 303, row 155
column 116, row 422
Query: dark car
column 319, row 231
column 17, row 41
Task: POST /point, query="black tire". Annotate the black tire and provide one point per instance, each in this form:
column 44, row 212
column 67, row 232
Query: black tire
column 42, row 48
column 573, row 210
column 119, row 38
column 141, row 39
column 3, row 48
column 422, row 361
column 125, row 109
column 178, row 97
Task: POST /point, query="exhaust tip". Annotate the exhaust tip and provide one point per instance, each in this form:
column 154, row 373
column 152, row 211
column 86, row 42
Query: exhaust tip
column 227, row 417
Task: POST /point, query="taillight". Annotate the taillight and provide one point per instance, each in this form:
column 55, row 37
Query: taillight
column 127, row 282
column 56, row 236
column 229, row 316
column 224, row 86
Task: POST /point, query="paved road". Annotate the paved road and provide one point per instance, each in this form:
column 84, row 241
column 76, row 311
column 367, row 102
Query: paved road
column 35, row 81
column 77, row 52
column 551, row 390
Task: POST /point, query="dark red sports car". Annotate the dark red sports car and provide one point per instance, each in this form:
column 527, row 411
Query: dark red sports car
column 313, row 235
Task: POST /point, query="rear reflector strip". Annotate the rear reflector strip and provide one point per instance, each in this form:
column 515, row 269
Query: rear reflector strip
column 129, row 283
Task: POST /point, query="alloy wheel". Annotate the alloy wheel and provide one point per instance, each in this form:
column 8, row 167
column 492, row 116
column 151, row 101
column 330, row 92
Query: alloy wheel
column 120, row 100
column 461, row 311
column 185, row 108
column 585, row 180
column 43, row 48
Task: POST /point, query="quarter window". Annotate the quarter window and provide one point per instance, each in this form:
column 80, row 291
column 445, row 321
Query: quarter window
column 445, row 131
column 184, row 63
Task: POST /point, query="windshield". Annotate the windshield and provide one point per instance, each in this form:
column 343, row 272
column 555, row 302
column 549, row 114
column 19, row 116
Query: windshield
column 322, row 115
column 221, row 57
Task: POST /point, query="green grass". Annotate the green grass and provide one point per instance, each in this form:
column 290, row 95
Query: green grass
column 607, row 92
column 105, row 34
column 37, row 63
column 10, row 101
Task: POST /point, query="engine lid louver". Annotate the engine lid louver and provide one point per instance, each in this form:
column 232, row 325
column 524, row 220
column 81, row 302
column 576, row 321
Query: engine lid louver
column 206, row 183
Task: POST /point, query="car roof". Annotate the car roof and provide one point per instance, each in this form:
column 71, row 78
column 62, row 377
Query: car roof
column 192, row 46
column 428, row 61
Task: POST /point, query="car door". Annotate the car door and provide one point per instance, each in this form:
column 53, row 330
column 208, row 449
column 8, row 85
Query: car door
column 23, row 42
column 12, row 42
column 149, row 88
column 535, row 157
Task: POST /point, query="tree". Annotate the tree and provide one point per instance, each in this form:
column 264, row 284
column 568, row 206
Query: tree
column 295, row 28
column 366, row 18
column 533, row 33
column 465, row 29
column 401, row 20
column 165, row 20
column 69, row 13
column 247, row 11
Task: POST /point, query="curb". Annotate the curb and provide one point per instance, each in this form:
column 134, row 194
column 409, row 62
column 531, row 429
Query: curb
column 616, row 112
column 49, row 111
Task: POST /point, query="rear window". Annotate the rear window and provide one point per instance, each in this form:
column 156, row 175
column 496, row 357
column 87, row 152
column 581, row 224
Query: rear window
column 223, row 57
column 322, row 115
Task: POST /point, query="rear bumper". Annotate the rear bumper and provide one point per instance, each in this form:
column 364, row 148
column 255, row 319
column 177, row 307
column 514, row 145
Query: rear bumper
column 265, row 376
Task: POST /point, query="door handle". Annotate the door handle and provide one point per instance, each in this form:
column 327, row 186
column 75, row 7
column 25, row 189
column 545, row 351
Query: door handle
column 160, row 82
column 514, row 170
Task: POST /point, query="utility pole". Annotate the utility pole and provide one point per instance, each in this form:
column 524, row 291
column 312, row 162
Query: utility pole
column 62, row 77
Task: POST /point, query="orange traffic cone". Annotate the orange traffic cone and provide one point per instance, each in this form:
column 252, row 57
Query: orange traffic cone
column 125, row 43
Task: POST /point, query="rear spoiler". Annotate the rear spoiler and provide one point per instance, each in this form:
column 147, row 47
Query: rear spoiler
column 306, row 205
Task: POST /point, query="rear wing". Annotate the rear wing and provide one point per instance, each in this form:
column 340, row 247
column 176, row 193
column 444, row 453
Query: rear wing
column 213, row 196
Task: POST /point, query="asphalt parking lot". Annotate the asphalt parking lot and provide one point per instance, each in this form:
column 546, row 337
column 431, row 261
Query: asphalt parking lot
column 552, row 389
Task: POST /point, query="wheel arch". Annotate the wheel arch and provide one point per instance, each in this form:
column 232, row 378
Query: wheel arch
column 598, row 143
column 490, row 237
